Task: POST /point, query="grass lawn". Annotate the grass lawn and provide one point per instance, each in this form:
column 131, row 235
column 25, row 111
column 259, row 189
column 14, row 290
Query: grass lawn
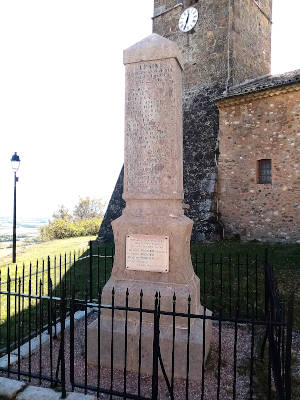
column 54, row 247
column 285, row 259
column 230, row 273
column 70, row 249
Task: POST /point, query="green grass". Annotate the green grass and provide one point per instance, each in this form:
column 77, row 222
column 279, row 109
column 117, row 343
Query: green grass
column 218, row 272
column 35, row 259
column 218, row 265
column 285, row 259
column 54, row 247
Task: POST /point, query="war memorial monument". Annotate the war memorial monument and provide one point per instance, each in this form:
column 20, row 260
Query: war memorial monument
column 152, row 236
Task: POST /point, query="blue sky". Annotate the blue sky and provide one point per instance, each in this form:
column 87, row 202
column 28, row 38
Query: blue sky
column 62, row 93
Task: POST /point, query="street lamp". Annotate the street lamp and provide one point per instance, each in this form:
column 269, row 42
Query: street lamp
column 15, row 162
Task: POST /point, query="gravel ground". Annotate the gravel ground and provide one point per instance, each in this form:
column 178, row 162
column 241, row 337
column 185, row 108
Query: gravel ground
column 194, row 389
column 296, row 353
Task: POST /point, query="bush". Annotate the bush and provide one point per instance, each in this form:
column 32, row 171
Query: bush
column 63, row 228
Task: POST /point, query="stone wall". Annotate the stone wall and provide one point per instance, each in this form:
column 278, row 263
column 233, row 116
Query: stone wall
column 200, row 142
column 204, row 49
column 258, row 126
column 230, row 43
column 114, row 210
column 250, row 40
column 226, row 30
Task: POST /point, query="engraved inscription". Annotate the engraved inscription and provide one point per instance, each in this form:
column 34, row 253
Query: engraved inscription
column 147, row 253
column 151, row 120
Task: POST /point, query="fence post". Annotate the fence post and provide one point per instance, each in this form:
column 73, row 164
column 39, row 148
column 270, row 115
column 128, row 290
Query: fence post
column 8, row 324
column 288, row 350
column 72, row 312
column 266, row 265
column 155, row 350
column 91, row 270
column 49, row 293
column 62, row 321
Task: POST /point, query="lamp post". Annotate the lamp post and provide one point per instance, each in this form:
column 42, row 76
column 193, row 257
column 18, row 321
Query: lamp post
column 15, row 162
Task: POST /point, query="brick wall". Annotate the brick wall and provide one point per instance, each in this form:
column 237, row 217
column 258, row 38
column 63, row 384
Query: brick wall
column 265, row 125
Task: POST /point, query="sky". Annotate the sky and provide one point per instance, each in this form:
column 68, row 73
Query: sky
column 62, row 94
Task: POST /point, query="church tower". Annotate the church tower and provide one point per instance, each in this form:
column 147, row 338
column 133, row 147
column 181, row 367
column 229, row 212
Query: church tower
column 224, row 43
column 229, row 43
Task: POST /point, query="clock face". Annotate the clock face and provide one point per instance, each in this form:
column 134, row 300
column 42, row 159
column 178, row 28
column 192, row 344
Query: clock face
column 188, row 19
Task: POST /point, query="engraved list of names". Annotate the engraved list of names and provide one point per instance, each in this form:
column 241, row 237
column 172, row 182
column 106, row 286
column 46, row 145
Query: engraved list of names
column 151, row 143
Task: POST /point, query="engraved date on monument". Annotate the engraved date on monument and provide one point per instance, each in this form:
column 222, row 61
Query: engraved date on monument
column 147, row 253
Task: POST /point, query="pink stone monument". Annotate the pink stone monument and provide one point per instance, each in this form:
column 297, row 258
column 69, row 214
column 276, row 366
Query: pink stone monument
column 152, row 237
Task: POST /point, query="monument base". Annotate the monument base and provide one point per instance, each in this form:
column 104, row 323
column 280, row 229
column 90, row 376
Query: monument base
column 181, row 340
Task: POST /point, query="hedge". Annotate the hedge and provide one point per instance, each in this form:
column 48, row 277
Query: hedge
column 63, row 228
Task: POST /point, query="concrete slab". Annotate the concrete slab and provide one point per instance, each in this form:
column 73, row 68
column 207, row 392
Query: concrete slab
column 4, row 360
column 9, row 388
column 78, row 315
column 35, row 344
column 38, row 393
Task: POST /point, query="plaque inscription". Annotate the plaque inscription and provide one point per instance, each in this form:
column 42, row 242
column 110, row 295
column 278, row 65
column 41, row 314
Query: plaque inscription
column 147, row 253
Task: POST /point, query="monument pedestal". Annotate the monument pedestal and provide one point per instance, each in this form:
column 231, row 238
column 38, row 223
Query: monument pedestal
column 180, row 280
column 196, row 346
column 152, row 237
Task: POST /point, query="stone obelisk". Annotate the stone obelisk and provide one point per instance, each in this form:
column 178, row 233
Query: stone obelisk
column 152, row 237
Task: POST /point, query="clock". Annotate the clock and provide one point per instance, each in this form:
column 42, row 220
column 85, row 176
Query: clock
column 188, row 19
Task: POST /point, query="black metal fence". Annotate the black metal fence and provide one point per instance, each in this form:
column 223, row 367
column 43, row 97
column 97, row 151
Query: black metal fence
column 227, row 282
column 248, row 358
column 91, row 265
column 39, row 308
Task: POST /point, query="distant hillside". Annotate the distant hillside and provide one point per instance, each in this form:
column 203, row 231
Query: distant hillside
column 28, row 230
column 25, row 226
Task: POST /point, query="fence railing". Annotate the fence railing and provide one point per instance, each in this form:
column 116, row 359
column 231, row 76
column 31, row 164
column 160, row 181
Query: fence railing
column 249, row 357
column 230, row 280
column 225, row 280
column 91, row 265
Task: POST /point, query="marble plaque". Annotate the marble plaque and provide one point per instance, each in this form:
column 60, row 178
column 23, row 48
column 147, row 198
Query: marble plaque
column 147, row 253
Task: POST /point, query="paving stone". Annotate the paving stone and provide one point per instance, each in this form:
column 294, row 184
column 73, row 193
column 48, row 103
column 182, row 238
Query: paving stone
column 38, row 393
column 4, row 360
column 9, row 388
column 78, row 315
column 35, row 344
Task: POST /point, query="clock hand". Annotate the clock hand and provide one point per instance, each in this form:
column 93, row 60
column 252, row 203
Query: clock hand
column 187, row 20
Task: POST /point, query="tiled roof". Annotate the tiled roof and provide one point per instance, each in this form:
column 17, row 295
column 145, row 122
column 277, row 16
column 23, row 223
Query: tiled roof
column 262, row 83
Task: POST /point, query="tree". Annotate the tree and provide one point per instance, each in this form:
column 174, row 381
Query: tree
column 62, row 213
column 88, row 208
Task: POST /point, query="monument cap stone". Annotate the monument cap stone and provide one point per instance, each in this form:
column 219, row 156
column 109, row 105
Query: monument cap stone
column 153, row 47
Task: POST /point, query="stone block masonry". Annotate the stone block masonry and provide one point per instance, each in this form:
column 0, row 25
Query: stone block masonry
column 230, row 43
column 253, row 127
